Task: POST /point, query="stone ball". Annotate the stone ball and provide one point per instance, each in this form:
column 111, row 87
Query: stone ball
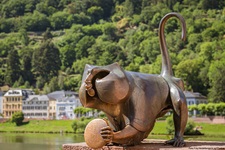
column 92, row 135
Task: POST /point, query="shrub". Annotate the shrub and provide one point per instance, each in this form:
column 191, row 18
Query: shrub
column 79, row 125
column 189, row 130
column 75, row 125
column 17, row 117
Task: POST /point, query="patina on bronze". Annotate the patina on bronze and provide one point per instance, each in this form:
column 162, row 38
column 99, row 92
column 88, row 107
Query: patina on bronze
column 133, row 101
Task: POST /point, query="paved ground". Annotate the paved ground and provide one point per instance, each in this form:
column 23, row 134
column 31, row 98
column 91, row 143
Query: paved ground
column 154, row 145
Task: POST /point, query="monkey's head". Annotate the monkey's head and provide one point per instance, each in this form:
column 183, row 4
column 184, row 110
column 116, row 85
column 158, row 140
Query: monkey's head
column 103, row 84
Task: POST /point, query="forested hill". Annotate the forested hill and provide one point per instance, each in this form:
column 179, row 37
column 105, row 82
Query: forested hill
column 44, row 44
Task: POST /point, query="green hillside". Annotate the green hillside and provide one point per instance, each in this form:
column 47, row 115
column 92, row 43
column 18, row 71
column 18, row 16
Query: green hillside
column 44, row 44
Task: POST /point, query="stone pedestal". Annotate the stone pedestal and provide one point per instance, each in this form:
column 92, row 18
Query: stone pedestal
column 154, row 145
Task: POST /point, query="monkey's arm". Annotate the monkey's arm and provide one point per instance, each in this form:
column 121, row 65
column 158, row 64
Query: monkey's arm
column 128, row 136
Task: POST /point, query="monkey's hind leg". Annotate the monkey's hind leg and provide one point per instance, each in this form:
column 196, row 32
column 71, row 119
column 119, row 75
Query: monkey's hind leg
column 180, row 121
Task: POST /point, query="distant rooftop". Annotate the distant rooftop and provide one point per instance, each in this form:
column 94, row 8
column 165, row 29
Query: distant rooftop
column 61, row 94
column 189, row 94
column 19, row 92
column 14, row 93
column 37, row 97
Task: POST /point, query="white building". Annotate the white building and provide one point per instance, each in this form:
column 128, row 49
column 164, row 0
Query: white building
column 1, row 103
column 65, row 107
column 66, row 102
column 195, row 98
column 36, row 106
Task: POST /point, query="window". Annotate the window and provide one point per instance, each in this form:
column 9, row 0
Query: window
column 62, row 108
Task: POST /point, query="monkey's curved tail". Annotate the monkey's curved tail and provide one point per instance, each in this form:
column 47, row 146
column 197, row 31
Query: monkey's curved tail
column 166, row 62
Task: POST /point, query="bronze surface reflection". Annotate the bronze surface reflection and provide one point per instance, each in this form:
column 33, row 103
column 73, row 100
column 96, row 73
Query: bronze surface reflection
column 133, row 101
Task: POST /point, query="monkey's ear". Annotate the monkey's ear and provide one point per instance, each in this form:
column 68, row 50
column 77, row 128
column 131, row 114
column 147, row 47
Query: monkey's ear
column 113, row 88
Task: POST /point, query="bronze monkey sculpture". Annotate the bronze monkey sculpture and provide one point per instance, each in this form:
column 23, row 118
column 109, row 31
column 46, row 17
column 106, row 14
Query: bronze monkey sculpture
column 133, row 101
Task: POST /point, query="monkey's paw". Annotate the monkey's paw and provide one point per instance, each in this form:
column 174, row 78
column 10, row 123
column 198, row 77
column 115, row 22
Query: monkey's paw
column 176, row 142
column 107, row 134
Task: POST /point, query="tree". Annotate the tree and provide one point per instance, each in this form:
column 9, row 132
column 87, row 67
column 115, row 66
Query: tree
column 192, row 108
column 59, row 20
column 13, row 71
column 26, row 66
column 47, row 89
column 67, row 55
column 13, row 8
column 188, row 70
column 96, row 13
column 219, row 108
column 83, row 45
column 46, row 60
column 27, row 84
column 51, row 58
column 202, row 108
column 128, row 8
column 210, row 109
column 24, row 37
column 217, row 79
column 72, row 82
column 53, row 84
column 210, row 34
column 44, row 8
column 79, row 111
column 21, row 81
column 36, row 22
column 17, row 118
column 40, row 82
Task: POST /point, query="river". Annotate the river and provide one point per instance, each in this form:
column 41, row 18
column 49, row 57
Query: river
column 35, row 141
column 31, row 141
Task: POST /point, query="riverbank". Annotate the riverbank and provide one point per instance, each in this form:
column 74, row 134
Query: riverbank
column 64, row 126
column 39, row 126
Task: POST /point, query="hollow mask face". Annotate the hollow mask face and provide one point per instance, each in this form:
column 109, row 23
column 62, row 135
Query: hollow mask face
column 108, row 84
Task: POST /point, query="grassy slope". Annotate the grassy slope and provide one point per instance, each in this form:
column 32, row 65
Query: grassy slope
column 212, row 132
column 207, row 129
